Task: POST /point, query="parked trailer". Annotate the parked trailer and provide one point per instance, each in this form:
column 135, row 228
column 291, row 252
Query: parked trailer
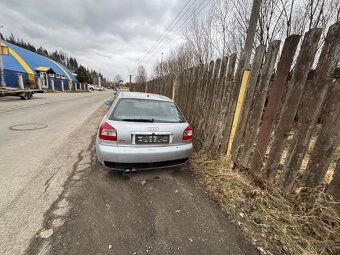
column 24, row 94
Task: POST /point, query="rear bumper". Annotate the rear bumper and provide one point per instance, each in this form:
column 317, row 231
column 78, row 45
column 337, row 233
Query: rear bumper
column 142, row 157
column 152, row 165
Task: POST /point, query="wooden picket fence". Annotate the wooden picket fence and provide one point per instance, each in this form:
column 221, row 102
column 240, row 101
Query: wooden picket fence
column 283, row 123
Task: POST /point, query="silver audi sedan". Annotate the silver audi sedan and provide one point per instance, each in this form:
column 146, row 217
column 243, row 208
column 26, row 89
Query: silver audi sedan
column 142, row 131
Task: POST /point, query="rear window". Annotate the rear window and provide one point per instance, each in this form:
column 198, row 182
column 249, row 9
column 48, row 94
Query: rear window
column 143, row 110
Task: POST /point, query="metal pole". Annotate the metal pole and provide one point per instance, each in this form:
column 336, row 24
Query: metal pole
column 162, row 65
column 3, row 83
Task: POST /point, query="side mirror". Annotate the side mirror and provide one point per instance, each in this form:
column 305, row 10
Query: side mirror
column 109, row 102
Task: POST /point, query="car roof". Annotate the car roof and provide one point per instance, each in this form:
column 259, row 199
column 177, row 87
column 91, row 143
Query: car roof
column 141, row 95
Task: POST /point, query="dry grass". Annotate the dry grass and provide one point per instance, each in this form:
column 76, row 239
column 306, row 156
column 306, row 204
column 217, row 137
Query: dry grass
column 305, row 223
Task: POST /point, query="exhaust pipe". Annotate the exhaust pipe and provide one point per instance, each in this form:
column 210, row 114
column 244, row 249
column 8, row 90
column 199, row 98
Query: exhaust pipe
column 127, row 171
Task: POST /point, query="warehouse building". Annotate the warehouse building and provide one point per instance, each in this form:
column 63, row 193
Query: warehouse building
column 34, row 70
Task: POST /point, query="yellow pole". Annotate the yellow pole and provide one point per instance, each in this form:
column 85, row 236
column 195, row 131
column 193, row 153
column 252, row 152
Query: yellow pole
column 174, row 90
column 241, row 96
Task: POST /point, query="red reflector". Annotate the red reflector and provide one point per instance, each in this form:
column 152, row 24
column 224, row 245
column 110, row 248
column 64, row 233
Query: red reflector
column 106, row 132
column 188, row 133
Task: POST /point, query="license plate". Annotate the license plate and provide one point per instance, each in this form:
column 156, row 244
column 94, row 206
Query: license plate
column 152, row 139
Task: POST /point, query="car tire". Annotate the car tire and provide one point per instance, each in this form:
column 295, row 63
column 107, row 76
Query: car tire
column 25, row 96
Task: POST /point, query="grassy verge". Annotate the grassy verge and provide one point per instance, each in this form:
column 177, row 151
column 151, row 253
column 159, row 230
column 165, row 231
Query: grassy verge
column 305, row 223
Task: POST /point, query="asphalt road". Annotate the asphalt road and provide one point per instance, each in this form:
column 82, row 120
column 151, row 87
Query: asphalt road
column 34, row 164
column 50, row 180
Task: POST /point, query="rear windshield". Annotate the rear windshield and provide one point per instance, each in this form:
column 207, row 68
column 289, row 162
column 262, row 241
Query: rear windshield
column 144, row 110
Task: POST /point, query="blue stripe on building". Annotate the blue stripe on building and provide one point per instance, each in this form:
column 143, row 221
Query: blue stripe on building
column 40, row 66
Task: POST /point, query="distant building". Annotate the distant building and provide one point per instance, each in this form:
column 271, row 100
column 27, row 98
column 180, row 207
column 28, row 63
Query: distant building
column 32, row 66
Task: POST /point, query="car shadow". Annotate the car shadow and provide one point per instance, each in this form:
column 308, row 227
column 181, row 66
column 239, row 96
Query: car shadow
column 146, row 174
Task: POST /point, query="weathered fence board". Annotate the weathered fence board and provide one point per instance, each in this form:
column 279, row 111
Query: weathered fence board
column 254, row 119
column 293, row 97
column 311, row 106
column 225, row 131
column 217, row 110
column 334, row 186
column 213, row 88
column 198, row 96
column 192, row 92
column 205, row 100
column 232, row 100
column 274, row 100
column 204, row 83
column 327, row 141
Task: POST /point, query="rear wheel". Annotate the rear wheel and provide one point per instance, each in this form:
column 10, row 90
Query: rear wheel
column 30, row 95
column 25, row 96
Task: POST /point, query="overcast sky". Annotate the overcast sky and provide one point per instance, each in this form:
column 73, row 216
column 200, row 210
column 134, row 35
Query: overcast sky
column 110, row 35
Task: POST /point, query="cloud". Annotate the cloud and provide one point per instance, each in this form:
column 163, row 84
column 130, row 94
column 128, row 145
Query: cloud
column 108, row 35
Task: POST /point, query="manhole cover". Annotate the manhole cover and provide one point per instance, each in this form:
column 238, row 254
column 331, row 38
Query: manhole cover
column 28, row 126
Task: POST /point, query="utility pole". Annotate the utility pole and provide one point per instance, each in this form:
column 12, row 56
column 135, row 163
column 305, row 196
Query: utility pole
column 162, row 64
column 243, row 71
column 130, row 75
column 248, row 46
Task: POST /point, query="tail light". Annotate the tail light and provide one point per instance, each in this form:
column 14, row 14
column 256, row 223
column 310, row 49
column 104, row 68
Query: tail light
column 188, row 133
column 106, row 132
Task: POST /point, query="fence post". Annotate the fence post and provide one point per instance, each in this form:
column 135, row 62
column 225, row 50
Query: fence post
column 62, row 85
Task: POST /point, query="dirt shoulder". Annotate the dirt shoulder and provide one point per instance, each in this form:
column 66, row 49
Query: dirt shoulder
column 150, row 212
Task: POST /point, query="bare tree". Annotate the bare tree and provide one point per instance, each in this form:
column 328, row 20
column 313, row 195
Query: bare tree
column 180, row 59
column 220, row 19
column 117, row 78
column 222, row 31
column 198, row 38
column 141, row 75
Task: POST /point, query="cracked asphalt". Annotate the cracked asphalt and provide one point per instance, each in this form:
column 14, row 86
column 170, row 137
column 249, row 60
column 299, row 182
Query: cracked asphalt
column 52, row 181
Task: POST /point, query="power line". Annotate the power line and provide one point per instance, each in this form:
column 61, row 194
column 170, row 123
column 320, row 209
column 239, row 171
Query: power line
column 180, row 29
column 165, row 32
column 168, row 32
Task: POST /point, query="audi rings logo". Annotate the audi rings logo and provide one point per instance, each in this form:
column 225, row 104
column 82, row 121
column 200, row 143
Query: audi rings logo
column 153, row 129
